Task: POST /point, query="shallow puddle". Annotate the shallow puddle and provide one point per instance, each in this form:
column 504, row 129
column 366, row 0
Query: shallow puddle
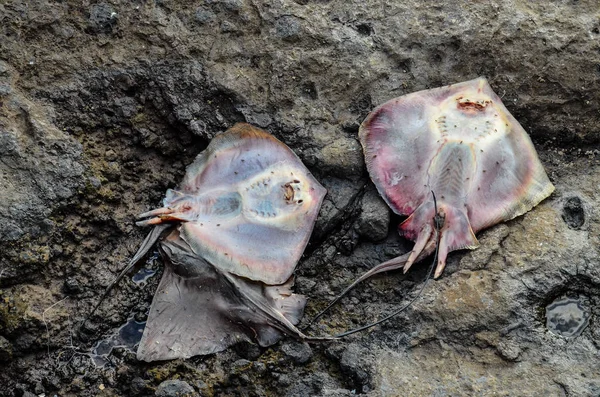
column 149, row 270
column 143, row 275
column 127, row 337
column 568, row 316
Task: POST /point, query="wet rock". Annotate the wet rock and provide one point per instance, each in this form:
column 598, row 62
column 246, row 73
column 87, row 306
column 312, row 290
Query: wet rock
column 573, row 212
column 568, row 316
column 233, row 5
column 5, row 350
column 203, row 16
column 288, row 28
column 356, row 362
column 138, row 386
column 228, row 27
column 103, row 18
column 260, row 368
column 317, row 384
column 175, row 388
column 374, row 219
column 338, row 204
column 298, row 353
column 156, row 81
column 509, row 350
column 343, row 157
column 72, row 286
column 240, row 366
column 247, row 350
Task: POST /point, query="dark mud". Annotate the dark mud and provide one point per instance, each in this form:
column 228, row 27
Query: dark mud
column 102, row 105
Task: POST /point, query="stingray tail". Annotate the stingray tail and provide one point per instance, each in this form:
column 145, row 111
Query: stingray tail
column 392, row 264
column 282, row 308
column 147, row 244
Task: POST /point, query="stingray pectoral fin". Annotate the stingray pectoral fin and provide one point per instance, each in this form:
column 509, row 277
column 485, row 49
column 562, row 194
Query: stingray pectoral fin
column 398, row 144
column 213, row 310
column 290, row 305
column 510, row 179
column 236, row 155
column 200, row 310
column 188, row 317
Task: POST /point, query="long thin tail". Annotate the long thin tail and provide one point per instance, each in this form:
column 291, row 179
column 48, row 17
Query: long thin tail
column 438, row 223
column 427, row 243
column 278, row 320
column 392, row 264
column 148, row 242
column 400, row 310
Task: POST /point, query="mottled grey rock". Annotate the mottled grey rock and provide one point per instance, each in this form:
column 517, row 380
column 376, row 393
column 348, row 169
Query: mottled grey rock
column 337, row 205
column 288, row 28
column 228, row 27
column 175, row 388
column 574, row 212
column 204, row 16
column 298, row 353
column 508, row 350
column 343, row 157
column 102, row 18
column 374, row 219
column 5, row 350
column 41, row 168
column 233, row 5
column 356, row 363
column 241, row 365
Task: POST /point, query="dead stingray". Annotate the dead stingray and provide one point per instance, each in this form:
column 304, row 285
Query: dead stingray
column 462, row 144
column 231, row 237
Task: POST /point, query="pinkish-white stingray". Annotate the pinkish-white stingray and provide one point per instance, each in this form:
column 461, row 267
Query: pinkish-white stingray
column 231, row 237
column 462, row 144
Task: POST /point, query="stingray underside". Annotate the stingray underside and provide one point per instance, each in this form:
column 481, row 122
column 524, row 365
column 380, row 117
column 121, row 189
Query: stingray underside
column 461, row 143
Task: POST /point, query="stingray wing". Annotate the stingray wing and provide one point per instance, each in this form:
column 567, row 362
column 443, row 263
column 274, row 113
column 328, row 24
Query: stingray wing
column 186, row 318
column 510, row 179
column 398, row 144
column 279, row 203
column 234, row 156
column 256, row 251
column 199, row 310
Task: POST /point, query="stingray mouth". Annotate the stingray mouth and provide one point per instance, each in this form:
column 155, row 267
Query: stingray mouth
column 291, row 192
column 471, row 106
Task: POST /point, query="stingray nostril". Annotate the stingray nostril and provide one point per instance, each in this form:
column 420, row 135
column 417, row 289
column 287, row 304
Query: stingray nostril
column 573, row 212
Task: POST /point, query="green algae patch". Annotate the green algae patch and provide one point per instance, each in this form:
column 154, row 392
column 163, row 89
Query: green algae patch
column 12, row 312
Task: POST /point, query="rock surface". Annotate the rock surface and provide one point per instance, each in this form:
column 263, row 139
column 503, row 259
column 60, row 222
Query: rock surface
column 175, row 388
column 103, row 105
